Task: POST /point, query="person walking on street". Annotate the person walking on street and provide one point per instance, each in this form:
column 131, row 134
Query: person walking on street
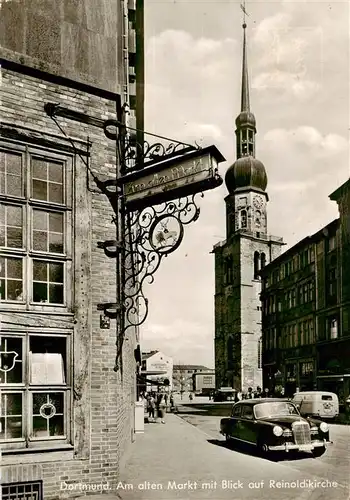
column 161, row 408
column 151, row 407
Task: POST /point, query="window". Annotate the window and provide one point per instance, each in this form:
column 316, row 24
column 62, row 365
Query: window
column 35, row 222
column 260, row 353
column 243, row 219
column 35, row 389
column 247, row 412
column 331, row 243
column 306, row 368
column 333, row 328
column 256, row 265
column 262, row 260
column 236, row 411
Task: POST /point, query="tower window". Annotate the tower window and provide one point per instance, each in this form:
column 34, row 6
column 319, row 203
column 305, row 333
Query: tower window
column 243, row 219
column 260, row 353
column 256, row 265
column 262, row 260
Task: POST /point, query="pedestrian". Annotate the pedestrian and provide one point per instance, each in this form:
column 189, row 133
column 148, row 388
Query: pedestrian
column 151, row 407
column 171, row 401
column 161, row 408
column 166, row 399
column 249, row 393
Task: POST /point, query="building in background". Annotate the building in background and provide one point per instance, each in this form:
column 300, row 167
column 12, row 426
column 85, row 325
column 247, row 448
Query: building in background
column 306, row 310
column 157, row 371
column 66, row 415
column 203, row 382
column 247, row 249
column 183, row 376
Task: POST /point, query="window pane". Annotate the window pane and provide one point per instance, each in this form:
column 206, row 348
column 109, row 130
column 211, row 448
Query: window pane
column 14, row 290
column 39, row 271
column 56, row 222
column 39, row 219
column 56, row 294
column 39, row 169
column 14, row 268
column 14, row 237
column 14, row 164
column 56, row 273
column 55, row 193
column 10, row 360
column 14, row 185
column 2, row 235
column 48, row 359
column 48, row 414
column 56, row 243
column 40, row 190
column 14, row 216
column 56, row 172
column 39, row 292
column 40, row 241
column 11, row 416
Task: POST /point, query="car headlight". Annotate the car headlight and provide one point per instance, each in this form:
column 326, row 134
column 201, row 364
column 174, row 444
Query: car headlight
column 324, row 427
column 277, row 430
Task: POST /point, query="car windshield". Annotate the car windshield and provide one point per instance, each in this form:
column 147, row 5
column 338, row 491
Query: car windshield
column 277, row 409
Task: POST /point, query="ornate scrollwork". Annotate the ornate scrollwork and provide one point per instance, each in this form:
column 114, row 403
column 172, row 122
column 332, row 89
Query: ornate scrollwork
column 140, row 155
column 153, row 233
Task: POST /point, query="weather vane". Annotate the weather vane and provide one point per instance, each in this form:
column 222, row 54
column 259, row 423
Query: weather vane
column 245, row 13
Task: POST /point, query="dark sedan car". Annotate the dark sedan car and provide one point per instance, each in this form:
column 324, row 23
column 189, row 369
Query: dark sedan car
column 275, row 425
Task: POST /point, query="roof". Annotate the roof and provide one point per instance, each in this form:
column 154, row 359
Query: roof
column 146, row 355
column 190, row 367
column 340, row 190
column 302, row 243
column 263, row 400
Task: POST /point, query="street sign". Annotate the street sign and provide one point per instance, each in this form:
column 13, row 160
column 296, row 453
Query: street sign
column 187, row 174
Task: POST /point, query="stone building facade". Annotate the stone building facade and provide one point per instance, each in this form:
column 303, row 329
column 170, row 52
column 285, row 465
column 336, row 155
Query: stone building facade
column 67, row 418
column 306, row 311
column 247, row 249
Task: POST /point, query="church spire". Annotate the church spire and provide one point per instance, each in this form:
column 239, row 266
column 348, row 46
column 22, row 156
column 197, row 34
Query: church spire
column 245, row 121
column 245, row 104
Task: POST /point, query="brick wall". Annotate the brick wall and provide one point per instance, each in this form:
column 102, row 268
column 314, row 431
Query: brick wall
column 103, row 400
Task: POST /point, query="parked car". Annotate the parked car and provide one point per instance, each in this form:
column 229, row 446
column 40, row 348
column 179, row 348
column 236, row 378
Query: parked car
column 274, row 425
column 317, row 403
column 224, row 394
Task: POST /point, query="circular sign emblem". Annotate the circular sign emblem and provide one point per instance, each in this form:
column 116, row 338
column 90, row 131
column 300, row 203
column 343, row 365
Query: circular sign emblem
column 165, row 234
column 47, row 410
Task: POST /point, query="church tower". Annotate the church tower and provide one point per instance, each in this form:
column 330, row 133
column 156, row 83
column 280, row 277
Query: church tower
column 238, row 259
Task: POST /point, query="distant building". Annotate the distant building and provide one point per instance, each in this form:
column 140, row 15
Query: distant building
column 157, row 369
column 203, row 382
column 247, row 249
column 306, row 310
column 183, row 376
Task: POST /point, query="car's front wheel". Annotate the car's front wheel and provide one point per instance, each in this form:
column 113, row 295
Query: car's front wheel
column 318, row 452
column 262, row 448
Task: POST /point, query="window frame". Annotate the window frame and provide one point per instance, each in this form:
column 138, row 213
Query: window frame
column 29, row 204
column 27, row 389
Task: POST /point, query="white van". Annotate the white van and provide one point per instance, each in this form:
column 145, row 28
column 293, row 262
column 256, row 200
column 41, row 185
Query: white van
column 317, row 403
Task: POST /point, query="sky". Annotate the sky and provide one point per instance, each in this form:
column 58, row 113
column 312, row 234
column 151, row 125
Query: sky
column 298, row 60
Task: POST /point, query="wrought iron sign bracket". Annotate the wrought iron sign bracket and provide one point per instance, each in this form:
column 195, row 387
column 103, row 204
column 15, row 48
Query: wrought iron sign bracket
column 154, row 196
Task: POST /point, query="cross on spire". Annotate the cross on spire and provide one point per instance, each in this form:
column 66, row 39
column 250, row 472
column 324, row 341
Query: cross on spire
column 245, row 13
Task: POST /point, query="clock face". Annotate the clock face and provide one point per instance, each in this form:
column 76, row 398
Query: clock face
column 258, row 201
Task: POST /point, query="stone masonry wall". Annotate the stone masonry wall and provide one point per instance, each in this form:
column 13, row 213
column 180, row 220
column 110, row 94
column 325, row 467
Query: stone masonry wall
column 102, row 400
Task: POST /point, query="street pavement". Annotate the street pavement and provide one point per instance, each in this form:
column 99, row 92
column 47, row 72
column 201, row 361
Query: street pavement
column 179, row 460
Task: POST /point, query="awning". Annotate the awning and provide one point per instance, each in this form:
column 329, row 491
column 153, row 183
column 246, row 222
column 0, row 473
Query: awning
column 145, row 380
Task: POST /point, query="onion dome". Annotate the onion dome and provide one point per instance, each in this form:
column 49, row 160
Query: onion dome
column 245, row 119
column 246, row 172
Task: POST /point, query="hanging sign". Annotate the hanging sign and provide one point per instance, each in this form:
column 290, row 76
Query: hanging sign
column 190, row 173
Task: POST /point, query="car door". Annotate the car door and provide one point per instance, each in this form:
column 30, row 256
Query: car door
column 235, row 419
column 248, row 424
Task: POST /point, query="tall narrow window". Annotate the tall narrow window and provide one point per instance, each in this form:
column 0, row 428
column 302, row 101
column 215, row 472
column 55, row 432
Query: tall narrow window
column 260, row 353
column 262, row 260
column 256, row 265
column 243, row 219
column 334, row 328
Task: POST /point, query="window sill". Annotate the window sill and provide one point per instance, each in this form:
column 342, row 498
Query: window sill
column 35, row 455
